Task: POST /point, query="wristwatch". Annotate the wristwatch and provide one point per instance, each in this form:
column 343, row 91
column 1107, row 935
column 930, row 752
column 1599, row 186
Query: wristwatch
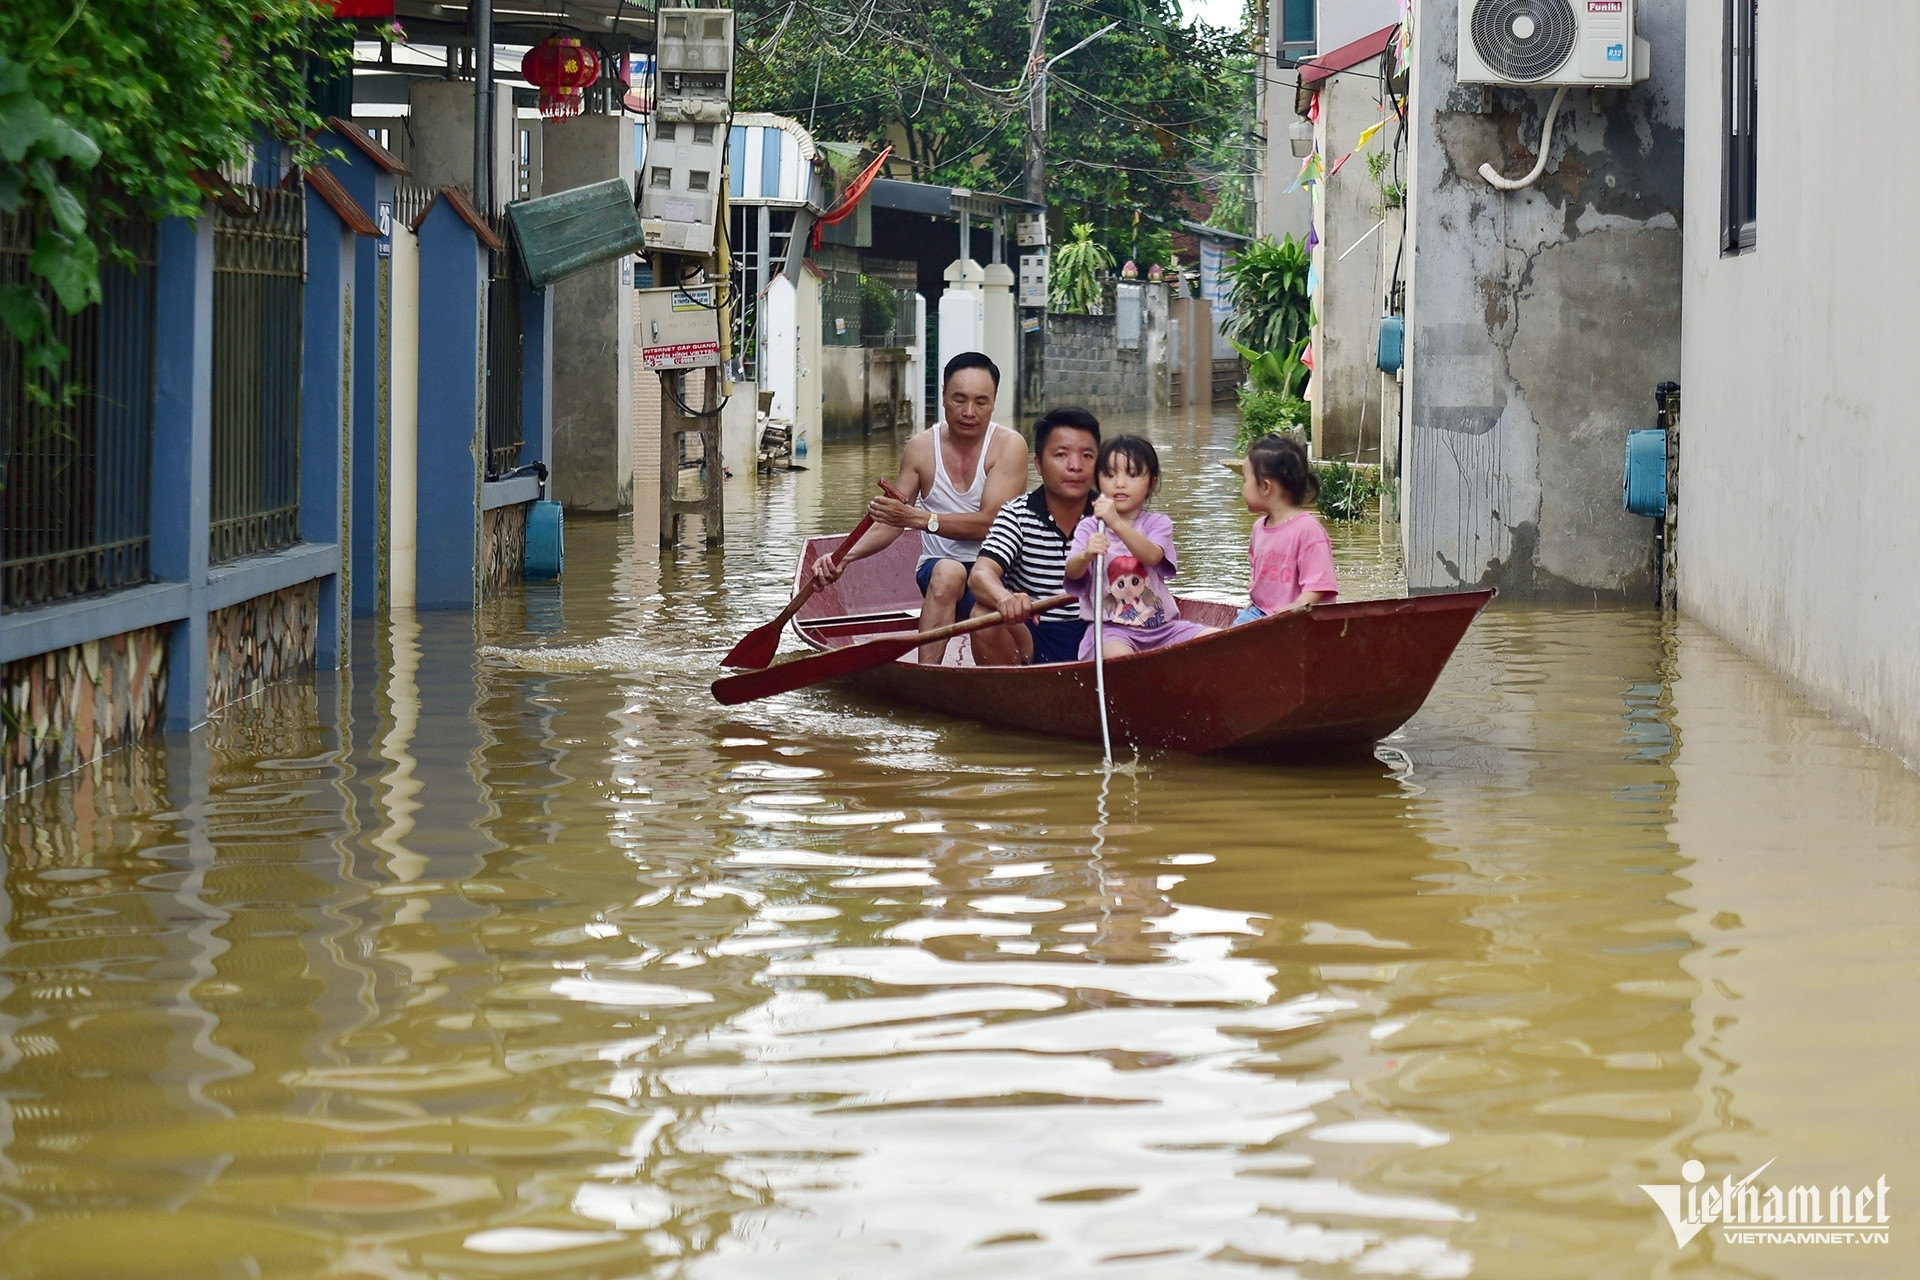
column 933, row 522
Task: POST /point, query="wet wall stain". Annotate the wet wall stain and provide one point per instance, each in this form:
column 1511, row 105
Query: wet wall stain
column 1542, row 321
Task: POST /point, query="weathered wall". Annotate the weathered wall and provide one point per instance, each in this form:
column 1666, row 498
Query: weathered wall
column 1348, row 304
column 1799, row 531
column 66, row 709
column 1538, row 322
column 592, row 341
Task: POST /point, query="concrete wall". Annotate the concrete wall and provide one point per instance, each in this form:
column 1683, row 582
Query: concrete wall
column 1279, row 212
column 864, row 389
column 592, row 336
column 1339, row 22
column 1085, row 366
column 1346, row 385
column 1538, row 322
column 1799, row 534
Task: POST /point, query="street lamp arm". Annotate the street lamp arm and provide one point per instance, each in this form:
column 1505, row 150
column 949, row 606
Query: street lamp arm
column 1083, row 44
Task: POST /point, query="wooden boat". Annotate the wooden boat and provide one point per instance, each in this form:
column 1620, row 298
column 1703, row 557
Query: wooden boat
column 1342, row 675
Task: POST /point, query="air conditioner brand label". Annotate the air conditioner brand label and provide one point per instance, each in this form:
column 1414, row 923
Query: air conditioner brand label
column 1606, row 6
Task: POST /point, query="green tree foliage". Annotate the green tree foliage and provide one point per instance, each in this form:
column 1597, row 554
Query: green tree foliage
column 1135, row 116
column 111, row 106
column 42, row 157
column 1268, row 283
column 1074, row 284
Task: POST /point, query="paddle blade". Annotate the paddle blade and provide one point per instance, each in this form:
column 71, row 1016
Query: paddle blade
column 815, row 668
column 757, row 647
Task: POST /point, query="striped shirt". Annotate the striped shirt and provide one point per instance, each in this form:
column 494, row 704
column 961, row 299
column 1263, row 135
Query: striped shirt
column 1031, row 551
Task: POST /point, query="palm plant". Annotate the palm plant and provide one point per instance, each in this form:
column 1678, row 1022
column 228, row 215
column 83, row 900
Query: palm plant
column 1268, row 281
column 1075, row 285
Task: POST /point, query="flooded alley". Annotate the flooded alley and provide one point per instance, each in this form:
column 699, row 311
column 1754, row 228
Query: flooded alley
column 514, row 954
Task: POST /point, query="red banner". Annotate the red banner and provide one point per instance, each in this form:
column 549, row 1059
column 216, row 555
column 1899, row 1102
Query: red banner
column 363, row 8
column 851, row 200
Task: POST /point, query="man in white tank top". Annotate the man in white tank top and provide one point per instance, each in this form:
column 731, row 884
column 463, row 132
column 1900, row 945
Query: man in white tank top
column 955, row 479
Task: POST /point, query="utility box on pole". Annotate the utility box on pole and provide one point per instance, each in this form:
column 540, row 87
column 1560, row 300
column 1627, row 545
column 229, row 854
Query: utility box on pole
column 684, row 325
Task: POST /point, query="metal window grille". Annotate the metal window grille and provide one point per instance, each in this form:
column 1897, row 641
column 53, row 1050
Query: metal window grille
column 259, row 280
column 74, row 512
column 504, row 359
column 1741, row 100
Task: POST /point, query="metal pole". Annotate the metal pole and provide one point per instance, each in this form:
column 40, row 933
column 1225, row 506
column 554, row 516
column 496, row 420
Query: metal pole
column 1099, row 647
column 1034, row 180
column 483, row 106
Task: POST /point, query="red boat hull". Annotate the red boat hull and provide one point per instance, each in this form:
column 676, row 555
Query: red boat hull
column 1339, row 675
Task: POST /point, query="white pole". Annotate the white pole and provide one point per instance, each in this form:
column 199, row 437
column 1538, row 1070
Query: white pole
column 1099, row 654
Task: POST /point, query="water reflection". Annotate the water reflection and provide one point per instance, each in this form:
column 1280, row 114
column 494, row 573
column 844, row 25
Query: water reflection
column 525, row 959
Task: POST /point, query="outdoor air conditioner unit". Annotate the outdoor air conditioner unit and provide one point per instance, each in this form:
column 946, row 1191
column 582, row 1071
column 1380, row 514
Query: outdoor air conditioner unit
column 1551, row 42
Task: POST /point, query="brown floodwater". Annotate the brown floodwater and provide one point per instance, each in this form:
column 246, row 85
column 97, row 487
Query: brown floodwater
column 512, row 954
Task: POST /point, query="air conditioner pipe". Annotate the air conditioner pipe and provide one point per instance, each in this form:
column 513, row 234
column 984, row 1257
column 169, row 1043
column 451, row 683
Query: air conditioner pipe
column 1493, row 177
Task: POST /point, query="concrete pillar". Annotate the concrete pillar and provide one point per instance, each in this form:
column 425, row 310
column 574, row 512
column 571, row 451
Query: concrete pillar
column 183, row 450
column 1000, row 333
column 326, row 412
column 809, row 403
column 593, row 372
column 440, row 129
column 1154, row 342
column 962, row 314
column 453, row 335
column 369, row 181
column 917, row 363
column 403, row 440
column 780, row 347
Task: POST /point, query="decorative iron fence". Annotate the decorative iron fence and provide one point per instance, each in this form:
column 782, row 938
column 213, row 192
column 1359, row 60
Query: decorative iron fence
column 259, row 280
column 505, row 343
column 75, row 493
column 410, row 200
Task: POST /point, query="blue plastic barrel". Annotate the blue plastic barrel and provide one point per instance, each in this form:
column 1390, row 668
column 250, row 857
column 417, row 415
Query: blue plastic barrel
column 1645, row 488
column 1392, row 350
column 546, row 540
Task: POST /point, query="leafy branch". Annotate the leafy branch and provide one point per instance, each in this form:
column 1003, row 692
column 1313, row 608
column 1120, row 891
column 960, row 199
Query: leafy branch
column 41, row 156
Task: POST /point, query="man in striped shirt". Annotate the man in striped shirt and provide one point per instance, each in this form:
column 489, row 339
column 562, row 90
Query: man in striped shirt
column 1024, row 556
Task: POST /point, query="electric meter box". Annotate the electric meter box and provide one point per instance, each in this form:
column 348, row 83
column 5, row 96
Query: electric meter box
column 1033, row 279
column 694, row 76
column 680, row 327
column 1031, row 228
column 680, row 180
column 696, row 40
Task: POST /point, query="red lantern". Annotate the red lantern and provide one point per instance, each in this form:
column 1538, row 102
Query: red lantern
column 561, row 68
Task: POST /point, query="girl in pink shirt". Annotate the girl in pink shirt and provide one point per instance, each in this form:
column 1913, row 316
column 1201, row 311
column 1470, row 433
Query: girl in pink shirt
column 1291, row 555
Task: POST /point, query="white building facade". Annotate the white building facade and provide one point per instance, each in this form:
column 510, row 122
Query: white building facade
column 1799, row 466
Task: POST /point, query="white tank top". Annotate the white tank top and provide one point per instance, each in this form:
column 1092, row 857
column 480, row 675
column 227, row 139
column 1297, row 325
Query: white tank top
column 943, row 499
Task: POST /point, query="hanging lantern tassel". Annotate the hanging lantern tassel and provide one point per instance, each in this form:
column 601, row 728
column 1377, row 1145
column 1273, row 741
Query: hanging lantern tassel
column 562, row 68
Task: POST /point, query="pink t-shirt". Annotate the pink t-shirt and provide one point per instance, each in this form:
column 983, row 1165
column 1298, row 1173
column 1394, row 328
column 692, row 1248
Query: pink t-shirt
column 1295, row 557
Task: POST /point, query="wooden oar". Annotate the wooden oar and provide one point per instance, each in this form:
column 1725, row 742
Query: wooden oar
column 757, row 647
column 834, row 663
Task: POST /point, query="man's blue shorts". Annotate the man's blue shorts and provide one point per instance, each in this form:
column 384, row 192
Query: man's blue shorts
column 1056, row 641
column 924, row 574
